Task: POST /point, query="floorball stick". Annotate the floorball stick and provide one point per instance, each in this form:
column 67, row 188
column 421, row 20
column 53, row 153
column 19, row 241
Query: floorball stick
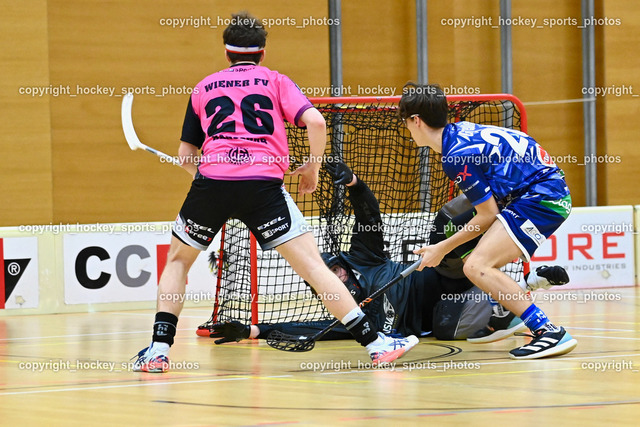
column 130, row 132
column 286, row 342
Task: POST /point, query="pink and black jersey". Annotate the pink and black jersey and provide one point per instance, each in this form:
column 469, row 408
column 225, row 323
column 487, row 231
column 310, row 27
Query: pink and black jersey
column 236, row 116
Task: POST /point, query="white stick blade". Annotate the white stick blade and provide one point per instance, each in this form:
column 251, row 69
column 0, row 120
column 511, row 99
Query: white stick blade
column 127, row 123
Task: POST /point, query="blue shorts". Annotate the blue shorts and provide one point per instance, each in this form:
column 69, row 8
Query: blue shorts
column 530, row 222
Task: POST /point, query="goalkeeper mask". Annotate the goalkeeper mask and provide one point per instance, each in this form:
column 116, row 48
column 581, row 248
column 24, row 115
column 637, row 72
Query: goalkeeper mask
column 350, row 281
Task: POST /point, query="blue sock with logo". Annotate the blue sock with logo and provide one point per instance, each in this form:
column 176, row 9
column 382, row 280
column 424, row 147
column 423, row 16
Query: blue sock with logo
column 535, row 319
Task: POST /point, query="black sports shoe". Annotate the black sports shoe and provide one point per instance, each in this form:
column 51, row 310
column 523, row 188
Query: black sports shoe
column 551, row 276
column 545, row 344
column 497, row 329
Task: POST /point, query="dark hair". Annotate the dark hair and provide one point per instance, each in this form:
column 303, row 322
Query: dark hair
column 244, row 31
column 428, row 101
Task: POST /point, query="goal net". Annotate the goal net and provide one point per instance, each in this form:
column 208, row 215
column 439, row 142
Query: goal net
column 253, row 286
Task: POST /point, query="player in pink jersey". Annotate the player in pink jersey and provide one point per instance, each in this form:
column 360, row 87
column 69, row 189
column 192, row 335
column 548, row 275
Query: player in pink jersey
column 236, row 117
column 245, row 133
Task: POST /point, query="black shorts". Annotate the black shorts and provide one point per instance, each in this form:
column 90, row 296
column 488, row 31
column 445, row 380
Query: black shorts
column 263, row 206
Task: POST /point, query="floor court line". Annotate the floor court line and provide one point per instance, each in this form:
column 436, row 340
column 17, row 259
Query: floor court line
column 129, row 378
column 503, row 362
column 448, row 410
column 189, row 329
column 144, row 384
column 97, row 334
column 147, row 384
column 156, row 383
column 601, row 329
column 182, row 316
column 606, row 338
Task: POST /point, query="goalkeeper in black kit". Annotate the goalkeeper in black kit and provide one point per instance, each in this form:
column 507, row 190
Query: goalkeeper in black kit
column 438, row 301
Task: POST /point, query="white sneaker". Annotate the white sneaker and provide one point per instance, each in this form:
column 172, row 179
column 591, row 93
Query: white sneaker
column 152, row 359
column 387, row 349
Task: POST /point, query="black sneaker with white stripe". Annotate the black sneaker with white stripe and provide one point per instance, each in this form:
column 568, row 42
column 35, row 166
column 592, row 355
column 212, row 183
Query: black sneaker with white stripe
column 545, row 344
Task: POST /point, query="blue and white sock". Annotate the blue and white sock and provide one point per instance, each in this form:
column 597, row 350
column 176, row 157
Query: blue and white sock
column 535, row 319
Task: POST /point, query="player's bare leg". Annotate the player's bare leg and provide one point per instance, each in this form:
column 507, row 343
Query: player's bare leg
column 171, row 286
column 302, row 254
column 170, row 301
column 495, row 249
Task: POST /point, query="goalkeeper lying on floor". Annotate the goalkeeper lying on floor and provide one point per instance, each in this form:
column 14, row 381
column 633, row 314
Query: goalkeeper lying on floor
column 438, row 301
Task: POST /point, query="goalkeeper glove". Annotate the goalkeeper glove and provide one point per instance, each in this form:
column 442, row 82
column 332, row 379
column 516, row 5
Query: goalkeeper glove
column 340, row 172
column 230, row 331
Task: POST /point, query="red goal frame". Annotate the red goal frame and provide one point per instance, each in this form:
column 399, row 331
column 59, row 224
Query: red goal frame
column 351, row 100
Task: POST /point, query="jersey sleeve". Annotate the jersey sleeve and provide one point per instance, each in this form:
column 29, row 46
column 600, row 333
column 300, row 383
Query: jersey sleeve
column 367, row 241
column 292, row 101
column 470, row 179
column 191, row 127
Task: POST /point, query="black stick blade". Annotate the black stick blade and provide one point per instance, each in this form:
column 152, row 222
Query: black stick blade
column 286, row 342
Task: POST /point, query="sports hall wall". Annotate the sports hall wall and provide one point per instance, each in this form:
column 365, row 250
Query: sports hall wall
column 63, row 159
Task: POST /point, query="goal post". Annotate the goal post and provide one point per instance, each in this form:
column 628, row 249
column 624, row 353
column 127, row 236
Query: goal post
column 253, row 286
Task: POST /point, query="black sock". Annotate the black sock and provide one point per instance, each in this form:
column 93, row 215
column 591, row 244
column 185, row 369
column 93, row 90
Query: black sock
column 362, row 330
column 164, row 328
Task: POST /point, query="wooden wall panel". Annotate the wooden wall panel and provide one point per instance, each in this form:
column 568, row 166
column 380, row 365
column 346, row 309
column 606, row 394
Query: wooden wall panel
column 118, row 44
column 476, row 51
column 379, row 46
column 622, row 126
column 78, row 167
column 462, row 55
column 547, row 67
column 25, row 132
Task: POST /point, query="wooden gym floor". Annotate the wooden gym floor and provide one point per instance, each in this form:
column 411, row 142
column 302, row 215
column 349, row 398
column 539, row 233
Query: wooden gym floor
column 72, row 369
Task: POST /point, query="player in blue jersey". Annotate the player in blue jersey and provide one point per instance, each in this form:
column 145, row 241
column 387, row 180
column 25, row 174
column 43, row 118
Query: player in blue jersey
column 520, row 197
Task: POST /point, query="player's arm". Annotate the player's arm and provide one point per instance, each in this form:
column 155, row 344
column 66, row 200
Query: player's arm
column 485, row 216
column 317, row 134
column 367, row 241
column 367, row 236
column 191, row 141
column 188, row 156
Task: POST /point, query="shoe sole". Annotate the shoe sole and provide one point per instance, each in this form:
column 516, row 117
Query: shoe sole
column 558, row 350
column 390, row 357
column 498, row 335
column 394, row 355
column 145, row 368
column 152, row 367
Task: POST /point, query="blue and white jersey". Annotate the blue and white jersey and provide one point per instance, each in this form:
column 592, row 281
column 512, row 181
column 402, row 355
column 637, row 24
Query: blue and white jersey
column 504, row 163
